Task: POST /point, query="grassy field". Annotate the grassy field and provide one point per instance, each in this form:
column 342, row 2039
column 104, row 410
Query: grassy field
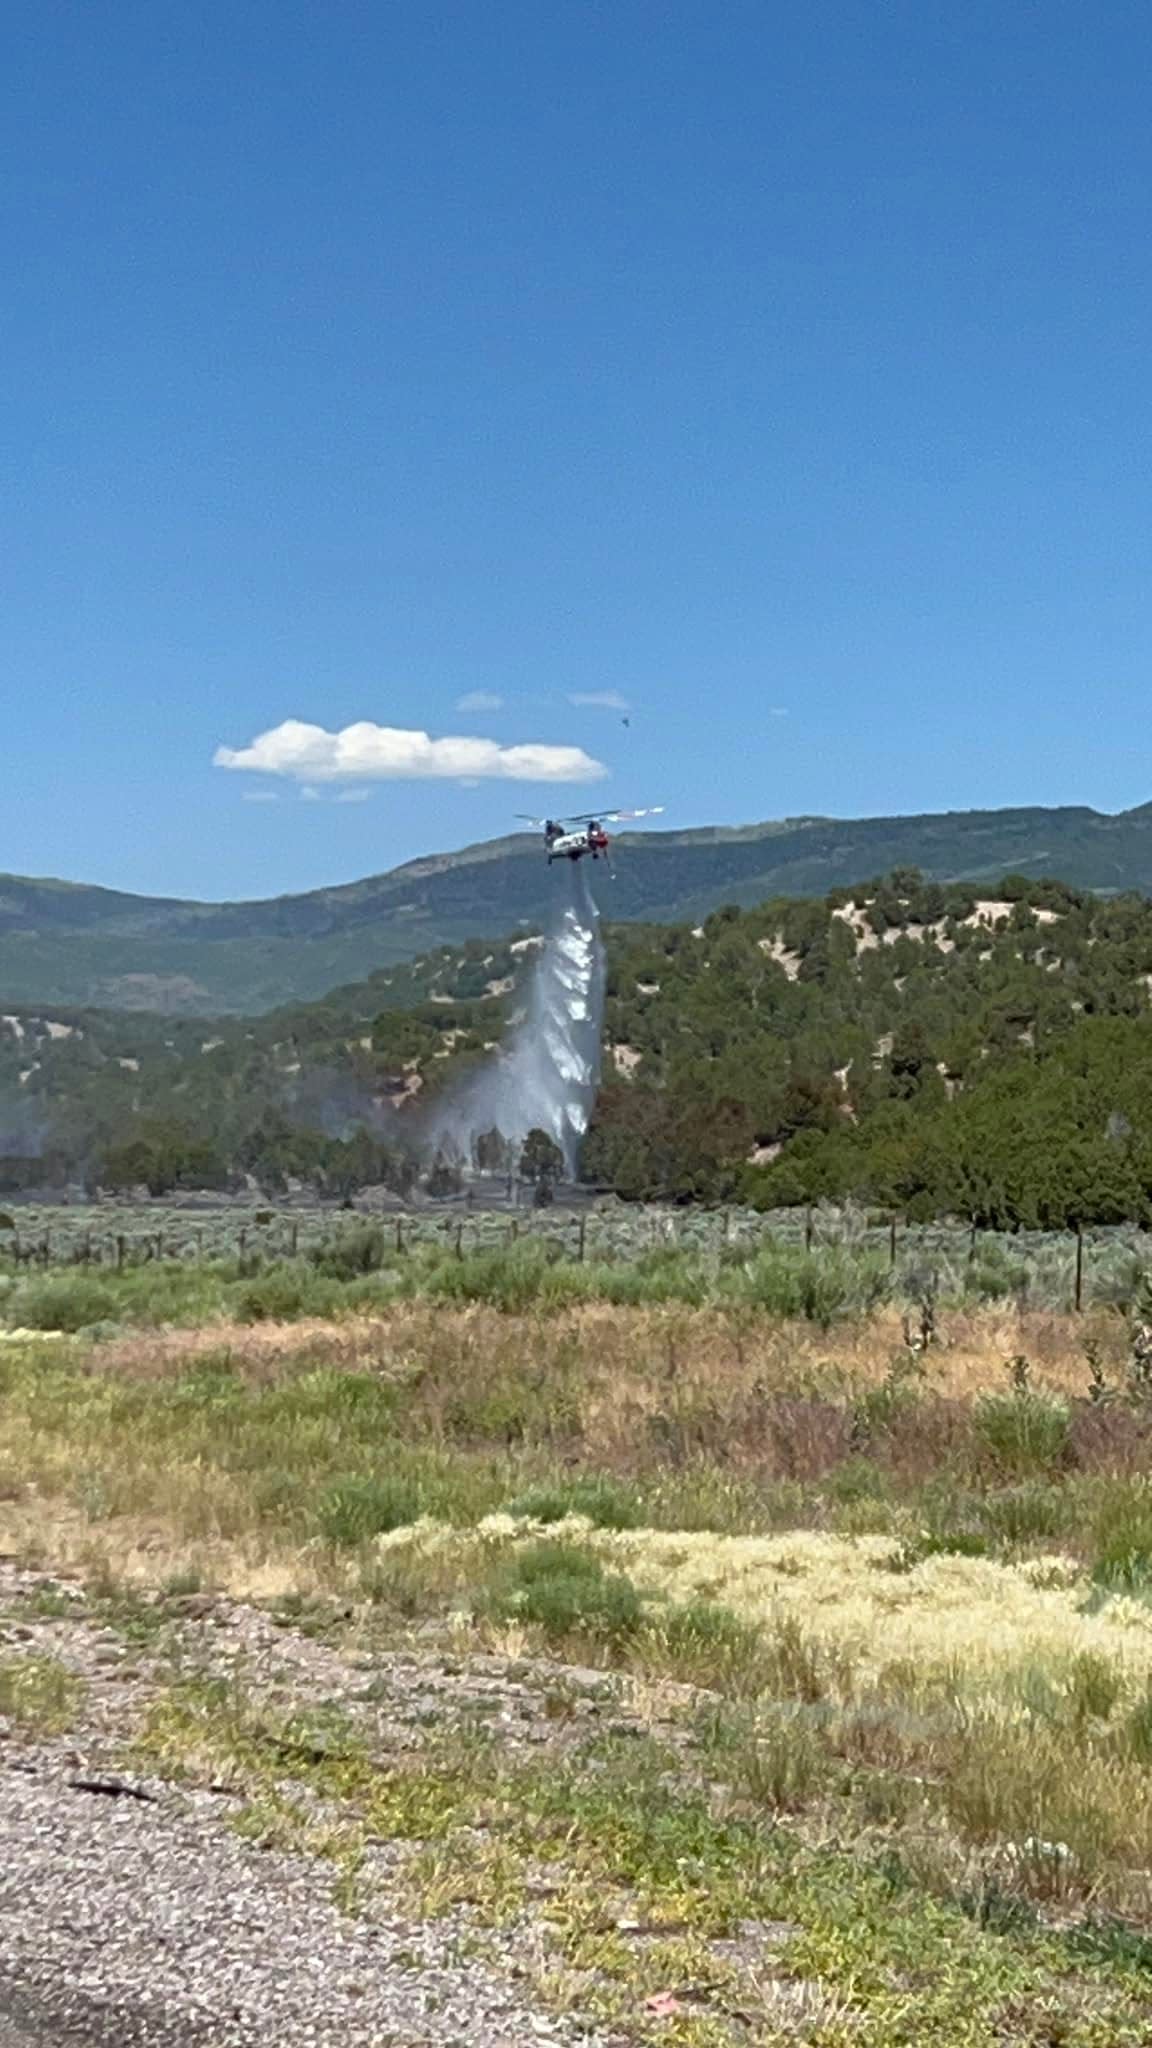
column 871, row 1582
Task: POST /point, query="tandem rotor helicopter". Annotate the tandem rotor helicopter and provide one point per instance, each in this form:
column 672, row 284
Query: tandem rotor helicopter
column 572, row 838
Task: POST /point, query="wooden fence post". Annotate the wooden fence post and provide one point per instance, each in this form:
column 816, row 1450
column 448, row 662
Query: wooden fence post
column 1078, row 1296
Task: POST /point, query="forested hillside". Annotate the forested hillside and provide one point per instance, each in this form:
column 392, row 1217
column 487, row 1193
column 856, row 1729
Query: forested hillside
column 65, row 944
column 931, row 1049
column 926, row 1048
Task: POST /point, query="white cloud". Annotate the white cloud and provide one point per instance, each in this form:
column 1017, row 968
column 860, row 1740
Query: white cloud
column 260, row 796
column 378, row 753
column 600, row 700
column 480, row 700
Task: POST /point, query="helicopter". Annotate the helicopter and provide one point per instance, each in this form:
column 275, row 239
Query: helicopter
column 572, row 838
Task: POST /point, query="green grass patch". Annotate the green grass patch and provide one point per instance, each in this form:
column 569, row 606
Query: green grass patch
column 356, row 1508
column 564, row 1591
column 39, row 1693
column 601, row 1500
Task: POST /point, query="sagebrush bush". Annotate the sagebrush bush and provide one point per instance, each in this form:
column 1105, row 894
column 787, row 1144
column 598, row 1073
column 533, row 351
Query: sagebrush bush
column 62, row 1301
column 564, row 1590
column 352, row 1253
column 515, row 1278
column 818, row 1286
column 284, row 1292
column 705, row 1643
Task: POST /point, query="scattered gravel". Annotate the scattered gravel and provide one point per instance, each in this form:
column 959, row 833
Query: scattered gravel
column 148, row 1922
column 133, row 1916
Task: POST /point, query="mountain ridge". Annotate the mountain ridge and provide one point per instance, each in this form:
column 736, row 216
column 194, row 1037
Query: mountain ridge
column 76, row 943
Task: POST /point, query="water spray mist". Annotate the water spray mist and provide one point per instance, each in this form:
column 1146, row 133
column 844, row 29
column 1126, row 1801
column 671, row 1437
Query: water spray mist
column 545, row 1077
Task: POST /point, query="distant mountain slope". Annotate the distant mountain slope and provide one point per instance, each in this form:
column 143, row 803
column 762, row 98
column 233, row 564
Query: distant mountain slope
column 64, row 943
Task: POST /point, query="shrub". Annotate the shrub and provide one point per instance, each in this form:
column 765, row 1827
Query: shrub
column 1111, row 1437
column 809, row 1437
column 995, row 1275
column 565, row 1591
column 355, row 1509
column 704, row 1625
column 797, row 1666
column 1025, row 1433
column 603, row 1501
column 509, row 1278
column 818, row 1286
column 62, row 1301
column 283, row 1293
column 353, row 1253
column 858, row 1480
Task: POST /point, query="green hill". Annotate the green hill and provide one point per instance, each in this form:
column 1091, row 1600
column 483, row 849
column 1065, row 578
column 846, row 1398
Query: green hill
column 63, row 943
column 976, row 1049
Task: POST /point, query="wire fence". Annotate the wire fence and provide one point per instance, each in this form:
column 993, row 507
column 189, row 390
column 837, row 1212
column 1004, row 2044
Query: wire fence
column 1057, row 1268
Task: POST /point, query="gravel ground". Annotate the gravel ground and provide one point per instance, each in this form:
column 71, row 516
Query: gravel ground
column 147, row 1922
column 153, row 1916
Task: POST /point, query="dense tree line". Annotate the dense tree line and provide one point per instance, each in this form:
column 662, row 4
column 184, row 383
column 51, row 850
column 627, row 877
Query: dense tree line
column 983, row 1051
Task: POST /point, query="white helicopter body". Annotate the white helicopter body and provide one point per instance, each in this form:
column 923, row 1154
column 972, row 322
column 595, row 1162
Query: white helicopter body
column 572, row 838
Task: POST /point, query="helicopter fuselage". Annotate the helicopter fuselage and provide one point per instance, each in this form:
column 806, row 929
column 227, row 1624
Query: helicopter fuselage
column 574, row 845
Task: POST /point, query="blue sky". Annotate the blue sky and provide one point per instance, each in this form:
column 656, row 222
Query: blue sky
column 782, row 371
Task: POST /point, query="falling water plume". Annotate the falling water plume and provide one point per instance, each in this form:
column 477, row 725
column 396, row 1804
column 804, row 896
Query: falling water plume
column 545, row 1077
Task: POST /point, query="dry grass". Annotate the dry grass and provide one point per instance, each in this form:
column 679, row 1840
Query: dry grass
column 974, row 1614
column 211, row 1447
column 774, row 1513
column 641, row 1350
